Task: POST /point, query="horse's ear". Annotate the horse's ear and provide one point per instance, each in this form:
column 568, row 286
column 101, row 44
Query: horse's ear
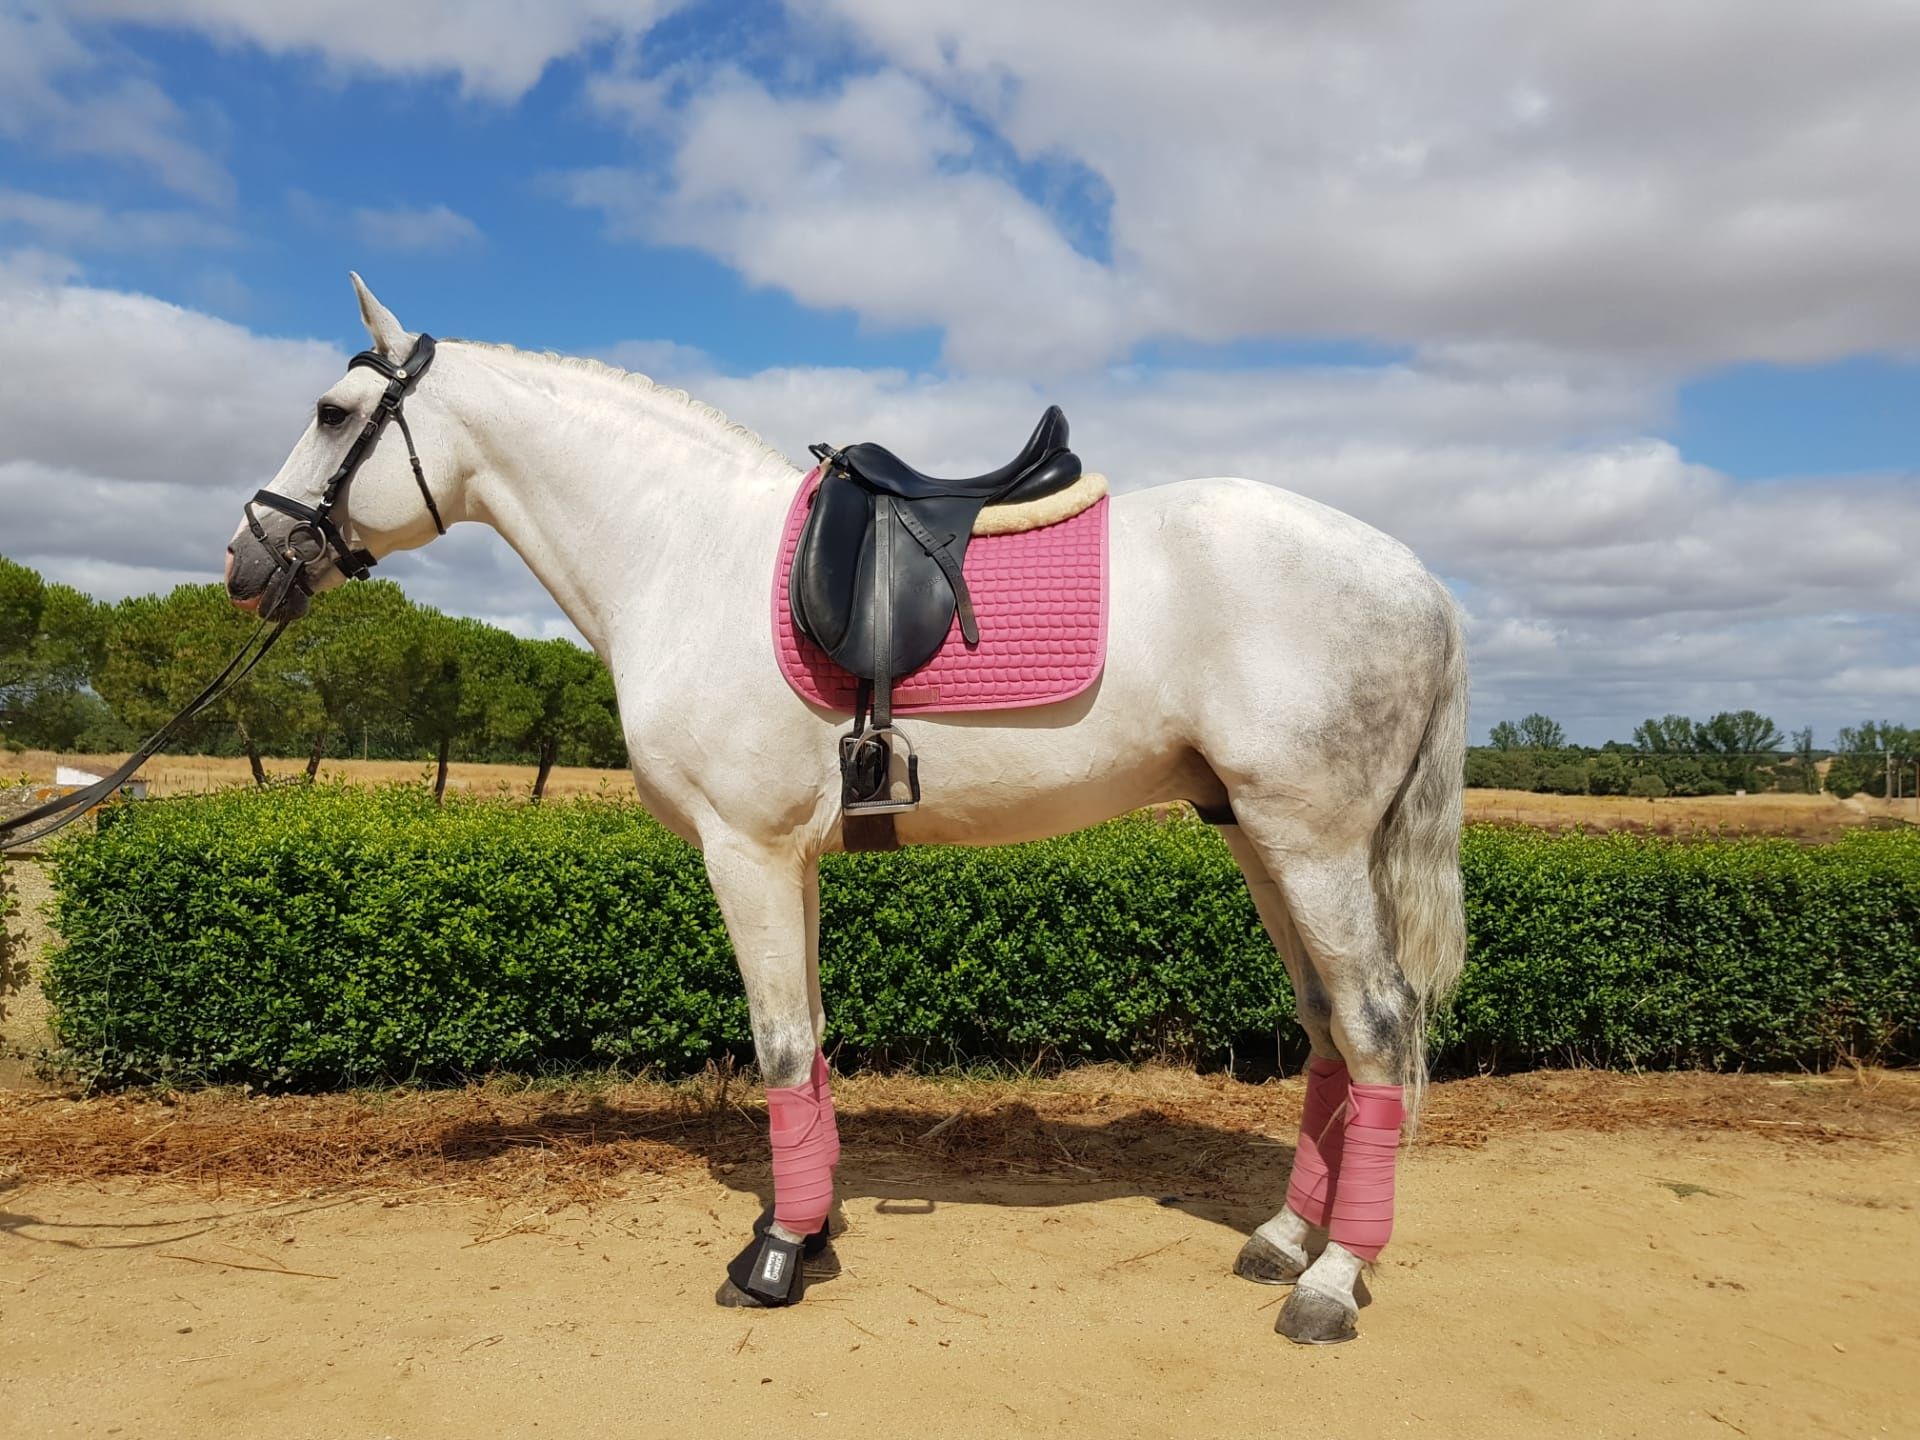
column 390, row 337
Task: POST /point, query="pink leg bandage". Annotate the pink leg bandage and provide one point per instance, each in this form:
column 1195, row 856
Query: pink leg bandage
column 1363, row 1194
column 1316, row 1159
column 806, row 1147
column 823, row 1092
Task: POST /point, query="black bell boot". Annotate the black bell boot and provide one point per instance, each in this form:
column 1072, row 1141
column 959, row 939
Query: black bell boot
column 772, row 1272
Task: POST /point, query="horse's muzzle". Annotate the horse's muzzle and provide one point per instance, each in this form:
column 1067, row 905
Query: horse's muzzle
column 263, row 583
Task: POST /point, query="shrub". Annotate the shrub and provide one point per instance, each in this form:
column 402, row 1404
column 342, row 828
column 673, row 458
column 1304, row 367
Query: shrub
column 1631, row 951
column 321, row 937
column 318, row 937
column 1609, row 774
column 1647, row 787
column 1503, row 769
column 1570, row 779
column 1688, row 777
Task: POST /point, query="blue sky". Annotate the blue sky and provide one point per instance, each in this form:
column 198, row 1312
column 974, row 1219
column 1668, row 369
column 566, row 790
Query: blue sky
column 1610, row 317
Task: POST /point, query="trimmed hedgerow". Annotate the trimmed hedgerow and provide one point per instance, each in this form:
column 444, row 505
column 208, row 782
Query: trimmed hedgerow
column 318, row 937
column 1627, row 951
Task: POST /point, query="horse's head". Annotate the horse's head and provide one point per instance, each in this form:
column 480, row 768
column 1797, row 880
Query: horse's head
column 352, row 491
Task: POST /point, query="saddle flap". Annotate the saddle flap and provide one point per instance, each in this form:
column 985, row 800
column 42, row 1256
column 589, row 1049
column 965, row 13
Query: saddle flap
column 826, row 568
column 836, row 581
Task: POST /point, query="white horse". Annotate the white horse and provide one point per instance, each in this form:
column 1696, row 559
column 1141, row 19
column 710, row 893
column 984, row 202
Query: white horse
column 1265, row 651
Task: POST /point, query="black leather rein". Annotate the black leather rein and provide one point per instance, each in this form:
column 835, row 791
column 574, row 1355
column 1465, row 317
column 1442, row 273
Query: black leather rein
column 62, row 811
column 315, row 536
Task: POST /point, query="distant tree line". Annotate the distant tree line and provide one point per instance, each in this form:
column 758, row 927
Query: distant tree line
column 1676, row 755
column 369, row 673
column 366, row 673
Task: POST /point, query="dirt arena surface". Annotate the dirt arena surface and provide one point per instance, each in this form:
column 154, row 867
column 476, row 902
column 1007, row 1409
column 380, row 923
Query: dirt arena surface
column 1578, row 1255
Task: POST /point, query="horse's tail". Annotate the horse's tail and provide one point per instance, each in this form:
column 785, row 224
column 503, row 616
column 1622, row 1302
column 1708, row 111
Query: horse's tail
column 1417, row 861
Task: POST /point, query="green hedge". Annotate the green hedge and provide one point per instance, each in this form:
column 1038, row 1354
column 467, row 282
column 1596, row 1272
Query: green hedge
column 310, row 938
column 1623, row 950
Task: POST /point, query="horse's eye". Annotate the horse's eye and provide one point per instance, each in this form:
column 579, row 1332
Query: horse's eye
column 331, row 416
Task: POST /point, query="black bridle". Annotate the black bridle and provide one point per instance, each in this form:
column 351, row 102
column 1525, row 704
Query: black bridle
column 316, row 536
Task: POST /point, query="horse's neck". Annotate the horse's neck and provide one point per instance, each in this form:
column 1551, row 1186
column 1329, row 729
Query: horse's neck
column 632, row 506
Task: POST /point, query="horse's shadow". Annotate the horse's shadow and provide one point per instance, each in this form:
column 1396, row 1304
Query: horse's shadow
column 912, row 1160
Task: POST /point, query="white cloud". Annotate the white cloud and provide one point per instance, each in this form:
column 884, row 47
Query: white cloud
column 132, row 430
column 423, row 229
column 1683, row 184
column 861, row 200
column 658, row 359
column 132, row 389
column 32, row 268
column 498, row 48
column 61, row 93
column 84, row 226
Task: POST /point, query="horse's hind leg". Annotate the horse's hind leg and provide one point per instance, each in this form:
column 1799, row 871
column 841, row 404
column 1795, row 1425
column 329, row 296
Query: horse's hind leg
column 1282, row 1248
column 1372, row 1018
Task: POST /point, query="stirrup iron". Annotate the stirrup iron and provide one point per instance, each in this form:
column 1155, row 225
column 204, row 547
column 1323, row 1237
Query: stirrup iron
column 866, row 773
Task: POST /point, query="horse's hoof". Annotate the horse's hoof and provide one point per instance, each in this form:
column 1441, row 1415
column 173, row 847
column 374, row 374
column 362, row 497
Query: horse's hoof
column 772, row 1272
column 1265, row 1263
column 1313, row 1317
column 820, row 1264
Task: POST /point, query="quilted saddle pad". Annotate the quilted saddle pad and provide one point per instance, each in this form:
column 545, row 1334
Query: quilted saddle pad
column 1040, row 597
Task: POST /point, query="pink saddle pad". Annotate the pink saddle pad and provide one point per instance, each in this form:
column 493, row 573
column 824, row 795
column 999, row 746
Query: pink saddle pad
column 1041, row 600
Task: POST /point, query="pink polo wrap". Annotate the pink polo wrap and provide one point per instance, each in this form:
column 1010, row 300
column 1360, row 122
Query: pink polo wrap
column 1316, row 1157
column 1363, row 1189
column 806, row 1147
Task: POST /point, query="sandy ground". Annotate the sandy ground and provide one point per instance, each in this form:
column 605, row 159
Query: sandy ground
column 1578, row 1255
column 1723, row 1256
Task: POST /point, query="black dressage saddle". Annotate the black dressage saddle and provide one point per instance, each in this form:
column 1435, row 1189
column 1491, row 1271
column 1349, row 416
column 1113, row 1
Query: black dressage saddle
column 877, row 579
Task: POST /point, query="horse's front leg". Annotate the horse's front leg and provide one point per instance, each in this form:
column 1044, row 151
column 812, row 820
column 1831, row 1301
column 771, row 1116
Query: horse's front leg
column 769, row 898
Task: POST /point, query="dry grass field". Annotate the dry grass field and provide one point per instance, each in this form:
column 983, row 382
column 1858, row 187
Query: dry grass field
column 1807, row 817
column 193, row 774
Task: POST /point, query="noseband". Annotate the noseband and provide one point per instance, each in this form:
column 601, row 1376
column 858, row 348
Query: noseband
column 318, row 535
